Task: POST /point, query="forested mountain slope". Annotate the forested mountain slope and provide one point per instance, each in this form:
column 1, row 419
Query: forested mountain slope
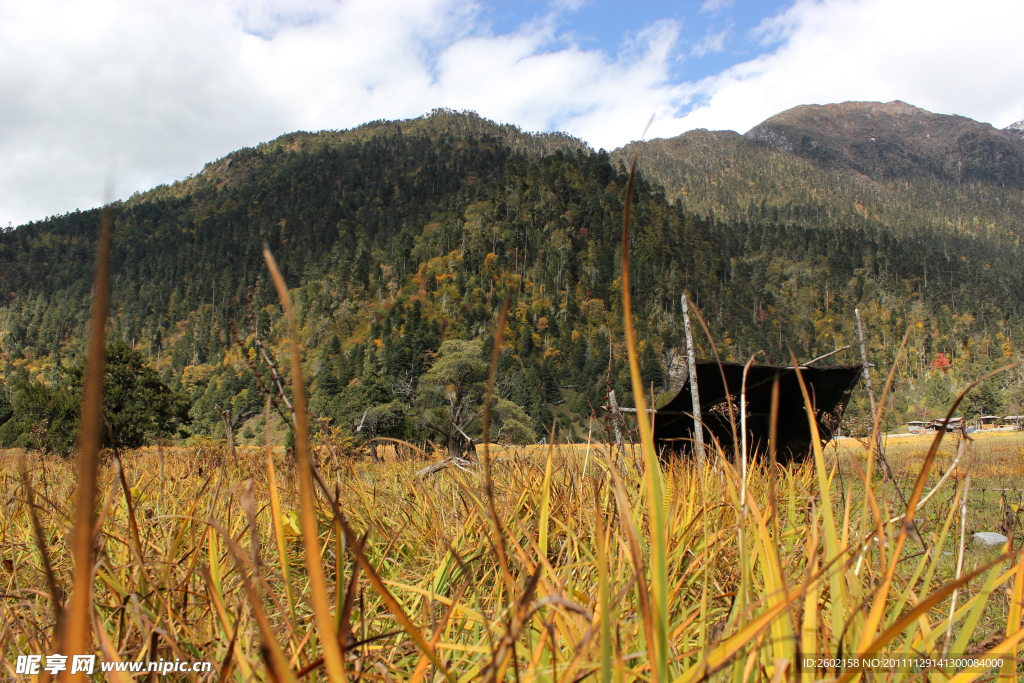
column 398, row 237
column 891, row 166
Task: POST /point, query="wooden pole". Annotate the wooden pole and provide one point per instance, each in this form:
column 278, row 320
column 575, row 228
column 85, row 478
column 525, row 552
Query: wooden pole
column 614, row 406
column 691, row 362
column 864, row 358
column 824, row 356
column 616, row 419
column 867, row 383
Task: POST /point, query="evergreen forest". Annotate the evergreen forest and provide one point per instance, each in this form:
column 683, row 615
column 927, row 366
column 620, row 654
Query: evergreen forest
column 401, row 241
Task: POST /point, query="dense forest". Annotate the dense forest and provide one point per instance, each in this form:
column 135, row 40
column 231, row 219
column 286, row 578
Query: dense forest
column 401, row 240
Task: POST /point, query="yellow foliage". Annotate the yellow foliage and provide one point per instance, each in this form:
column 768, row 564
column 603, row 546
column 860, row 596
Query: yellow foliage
column 195, row 375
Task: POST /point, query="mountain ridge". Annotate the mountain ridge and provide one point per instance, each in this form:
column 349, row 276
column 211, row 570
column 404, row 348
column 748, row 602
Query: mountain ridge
column 1015, row 129
column 710, row 153
column 819, row 164
column 438, row 121
column 895, row 139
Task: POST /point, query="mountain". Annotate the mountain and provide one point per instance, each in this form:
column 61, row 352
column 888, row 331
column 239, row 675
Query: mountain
column 891, row 166
column 398, row 236
column 1015, row 129
column 895, row 140
column 238, row 166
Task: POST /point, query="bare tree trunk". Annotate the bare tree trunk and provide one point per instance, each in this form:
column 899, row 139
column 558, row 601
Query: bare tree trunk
column 871, row 393
column 691, row 363
column 864, row 359
column 461, row 446
column 613, row 406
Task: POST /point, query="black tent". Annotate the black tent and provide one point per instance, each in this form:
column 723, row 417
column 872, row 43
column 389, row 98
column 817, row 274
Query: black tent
column 829, row 389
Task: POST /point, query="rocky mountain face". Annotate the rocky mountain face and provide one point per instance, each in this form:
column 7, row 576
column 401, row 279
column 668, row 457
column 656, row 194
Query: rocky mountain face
column 895, row 140
column 891, row 165
column 1015, row 129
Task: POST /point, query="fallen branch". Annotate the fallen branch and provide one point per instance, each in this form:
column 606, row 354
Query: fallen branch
column 438, row 466
column 830, row 353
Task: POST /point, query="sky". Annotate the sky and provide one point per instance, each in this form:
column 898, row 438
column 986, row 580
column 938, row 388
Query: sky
column 103, row 99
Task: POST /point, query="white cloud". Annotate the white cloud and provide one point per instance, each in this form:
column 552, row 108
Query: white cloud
column 711, row 42
column 944, row 56
column 157, row 89
column 715, row 6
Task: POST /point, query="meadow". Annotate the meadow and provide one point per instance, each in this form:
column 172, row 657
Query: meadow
column 537, row 583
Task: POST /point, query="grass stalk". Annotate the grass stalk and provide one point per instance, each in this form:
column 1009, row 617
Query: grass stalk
column 77, row 626
column 960, row 551
column 307, row 514
column 652, row 472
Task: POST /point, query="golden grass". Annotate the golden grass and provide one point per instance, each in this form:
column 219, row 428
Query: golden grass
column 432, row 546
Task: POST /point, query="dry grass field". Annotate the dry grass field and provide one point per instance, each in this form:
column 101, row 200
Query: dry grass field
column 539, row 582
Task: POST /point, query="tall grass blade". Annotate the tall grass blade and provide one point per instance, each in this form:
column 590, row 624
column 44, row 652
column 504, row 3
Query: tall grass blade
column 837, row 585
column 967, row 630
column 498, row 537
column 774, row 583
column 879, row 413
column 963, row 532
column 809, row 626
column 307, row 515
column 424, row 661
column 276, row 518
column 109, row 651
column 499, row 336
column 724, row 652
column 652, row 474
column 545, row 500
column 773, row 433
column 921, row 608
column 276, row 660
column 76, row 629
column 44, row 553
column 721, row 370
column 133, row 526
column 603, row 592
column 1008, row 671
column 636, row 554
column 1005, row 647
column 394, row 606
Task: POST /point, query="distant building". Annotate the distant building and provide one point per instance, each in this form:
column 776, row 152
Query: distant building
column 955, row 424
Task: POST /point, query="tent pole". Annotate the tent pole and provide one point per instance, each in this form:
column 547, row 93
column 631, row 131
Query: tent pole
column 691, row 361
